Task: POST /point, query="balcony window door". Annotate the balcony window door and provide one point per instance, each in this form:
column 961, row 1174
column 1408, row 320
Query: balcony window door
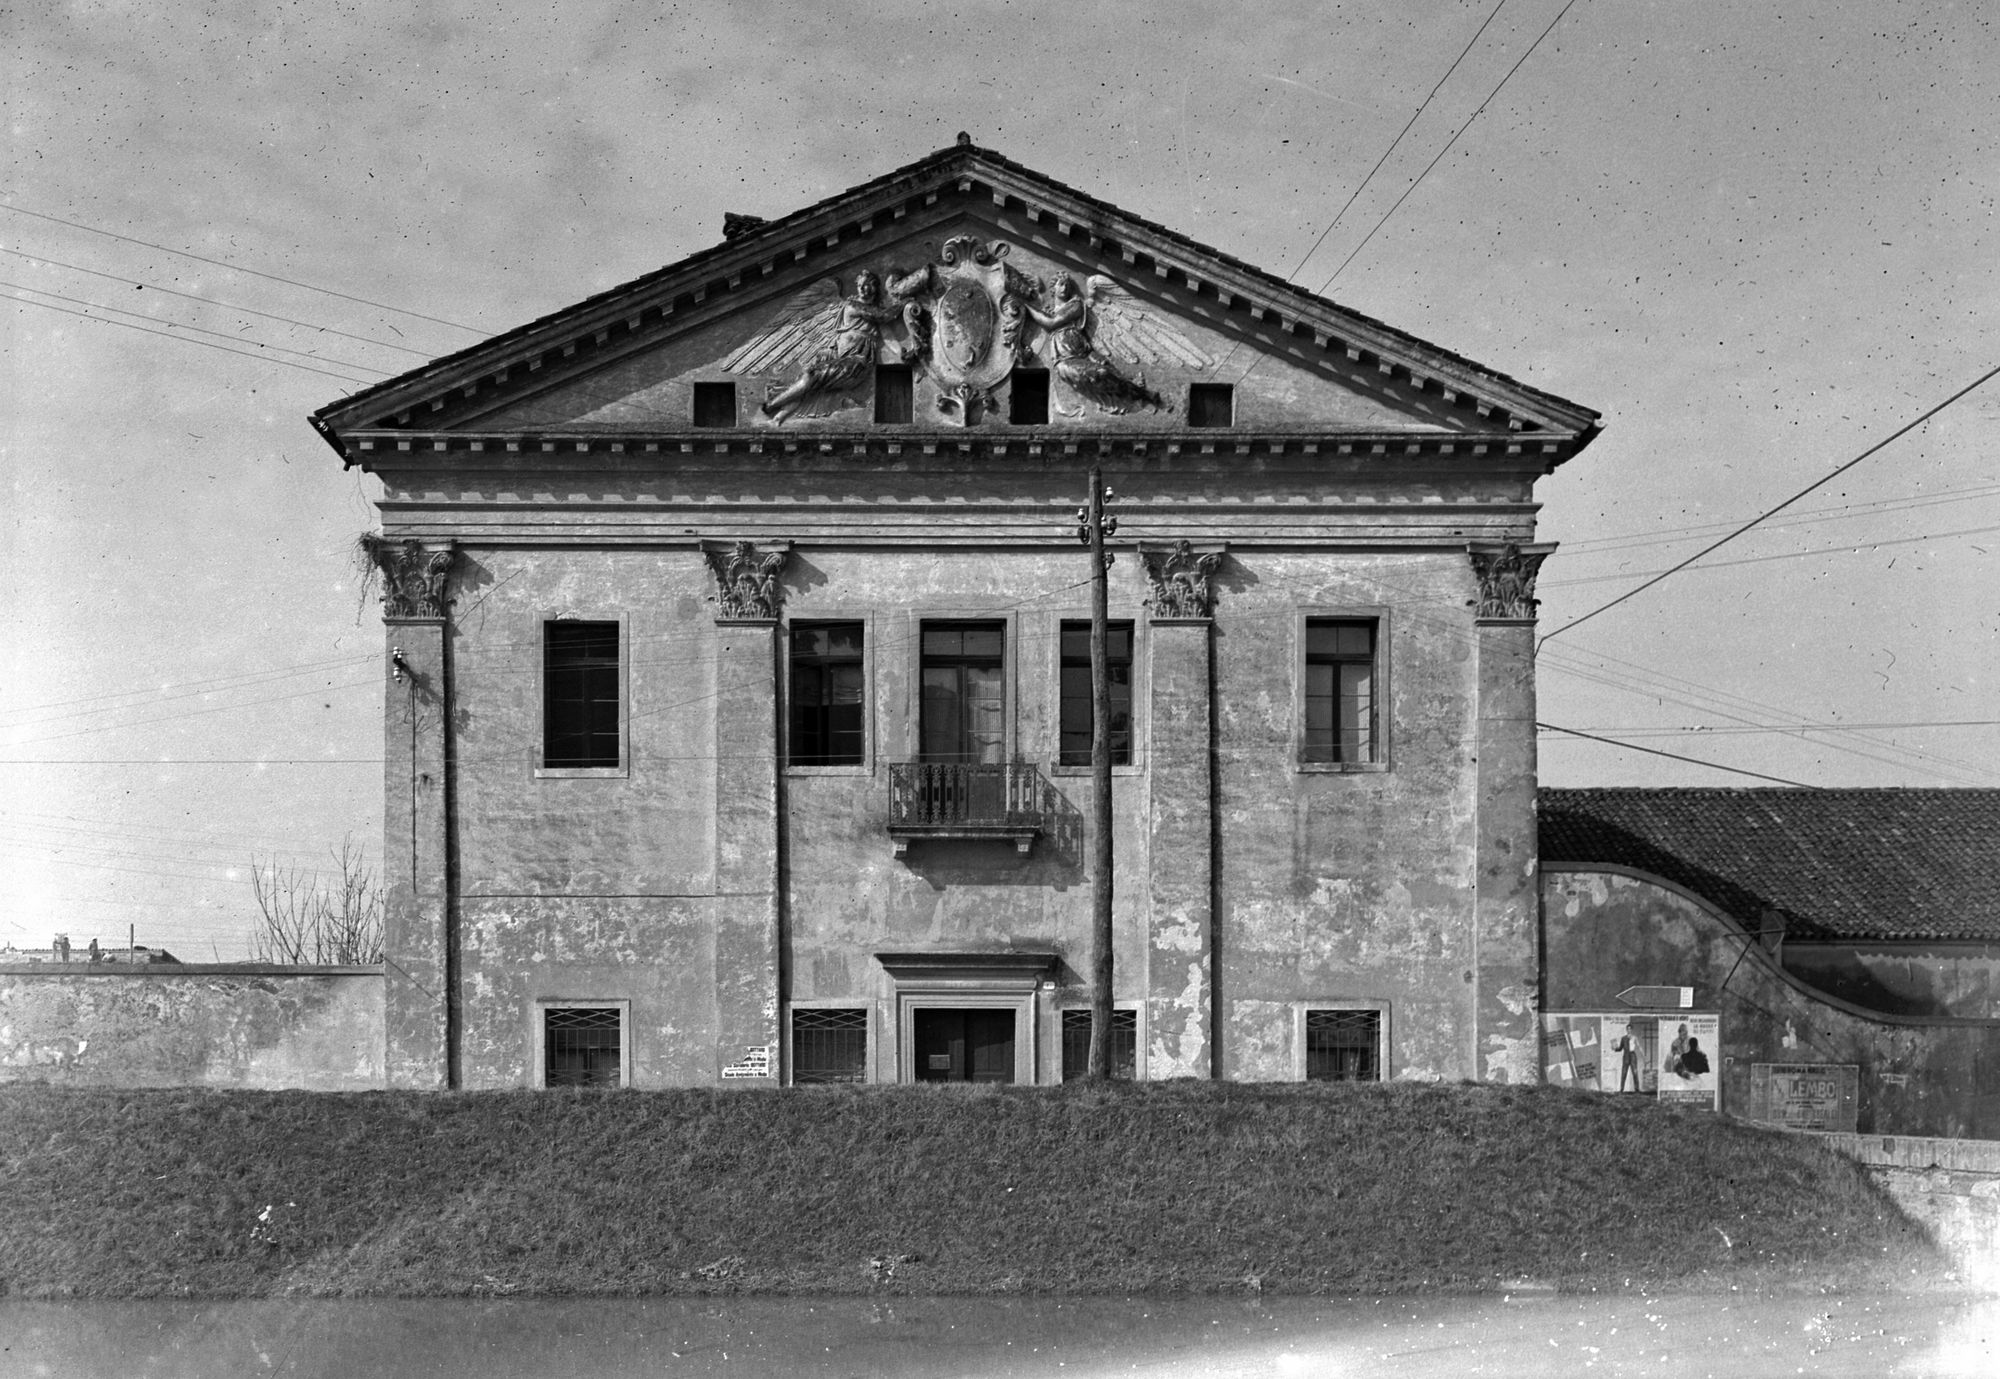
column 964, row 710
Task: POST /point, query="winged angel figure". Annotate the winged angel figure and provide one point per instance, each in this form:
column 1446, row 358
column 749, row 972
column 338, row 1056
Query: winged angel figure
column 832, row 340
column 1085, row 338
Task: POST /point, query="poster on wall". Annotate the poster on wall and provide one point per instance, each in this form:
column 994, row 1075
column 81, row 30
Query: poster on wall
column 1805, row 1096
column 1670, row 1057
column 1688, row 1058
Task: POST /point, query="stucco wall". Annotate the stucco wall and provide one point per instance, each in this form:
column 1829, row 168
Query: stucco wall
column 194, row 1027
column 1328, row 886
column 1606, row 930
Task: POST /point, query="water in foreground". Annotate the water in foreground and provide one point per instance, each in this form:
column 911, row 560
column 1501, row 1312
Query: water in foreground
column 1534, row 1334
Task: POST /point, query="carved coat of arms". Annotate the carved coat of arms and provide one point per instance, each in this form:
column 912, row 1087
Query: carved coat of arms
column 966, row 322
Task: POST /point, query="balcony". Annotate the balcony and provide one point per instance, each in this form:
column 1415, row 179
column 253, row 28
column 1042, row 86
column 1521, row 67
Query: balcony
column 1010, row 800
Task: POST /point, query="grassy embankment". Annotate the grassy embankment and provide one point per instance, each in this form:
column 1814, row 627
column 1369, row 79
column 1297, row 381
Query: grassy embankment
column 1177, row 1187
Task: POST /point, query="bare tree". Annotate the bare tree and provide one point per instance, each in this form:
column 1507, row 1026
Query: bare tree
column 308, row 918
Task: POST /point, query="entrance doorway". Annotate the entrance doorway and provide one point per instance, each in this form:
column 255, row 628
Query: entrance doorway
column 974, row 1045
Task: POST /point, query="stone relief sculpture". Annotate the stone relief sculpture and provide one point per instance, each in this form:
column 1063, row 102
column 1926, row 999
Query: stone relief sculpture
column 1506, row 580
column 832, row 340
column 1179, row 580
column 966, row 316
column 413, row 576
column 1082, row 336
column 747, row 584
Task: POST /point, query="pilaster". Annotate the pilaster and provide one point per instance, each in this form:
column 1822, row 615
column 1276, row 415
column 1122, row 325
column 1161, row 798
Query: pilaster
column 1506, row 903
column 419, row 948
column 747, row 876
column 1180, row 824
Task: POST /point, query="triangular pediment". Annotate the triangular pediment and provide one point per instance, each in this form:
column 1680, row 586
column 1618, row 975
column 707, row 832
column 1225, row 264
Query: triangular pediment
column 956, row 295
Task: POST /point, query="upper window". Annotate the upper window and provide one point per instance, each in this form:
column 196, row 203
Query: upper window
column 827, row 710
column 580, row 727
column 1076, row 1026
column 895, row 394
column 715, row 404
column 1341, row 703
column 963, row 716
column 1343, row 1046
column 1076, row 707
column 1028, row 398
column 1211, row 404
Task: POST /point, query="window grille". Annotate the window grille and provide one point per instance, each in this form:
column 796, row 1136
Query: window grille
column 582, row 1046
column 1124, row 1043
column 1343, row 1046
column 1076, row 705
column 829, row 1046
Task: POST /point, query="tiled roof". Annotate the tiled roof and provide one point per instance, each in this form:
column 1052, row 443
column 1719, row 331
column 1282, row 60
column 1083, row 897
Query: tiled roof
column 1837, row 864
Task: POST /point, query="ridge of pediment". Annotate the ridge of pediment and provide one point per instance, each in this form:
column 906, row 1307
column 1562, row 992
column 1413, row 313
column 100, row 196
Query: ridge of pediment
column 962, row 181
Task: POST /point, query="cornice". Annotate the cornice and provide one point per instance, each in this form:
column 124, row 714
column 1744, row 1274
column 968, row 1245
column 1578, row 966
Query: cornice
column 1534, row 450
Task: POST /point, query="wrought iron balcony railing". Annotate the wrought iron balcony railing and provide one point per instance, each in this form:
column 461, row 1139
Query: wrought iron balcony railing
column 929, row 799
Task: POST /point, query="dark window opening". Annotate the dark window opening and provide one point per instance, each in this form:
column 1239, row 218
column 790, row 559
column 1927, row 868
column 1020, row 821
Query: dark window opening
column 1076, row 715
column 1124, row 1044
column 1340, row 701
column 827, row 709
column 580, row 694
column 963, row 714
column 1028, row 400
column 582, row 1046
column 829, row 1046
column 1343, row 1046
column 715, row 404
column 895, row 394
column 964, row 1045
column 1211, row 404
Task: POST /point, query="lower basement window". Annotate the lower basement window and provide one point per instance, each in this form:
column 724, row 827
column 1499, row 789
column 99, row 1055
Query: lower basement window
column 1076, row 1044
column 583, row 1045
column 829, row 1046
column 1343, row 1046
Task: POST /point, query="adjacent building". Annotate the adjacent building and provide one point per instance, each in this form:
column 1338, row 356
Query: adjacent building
column 737, row 659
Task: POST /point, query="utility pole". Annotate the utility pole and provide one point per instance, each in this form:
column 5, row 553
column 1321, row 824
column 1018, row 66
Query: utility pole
column 1093, row 526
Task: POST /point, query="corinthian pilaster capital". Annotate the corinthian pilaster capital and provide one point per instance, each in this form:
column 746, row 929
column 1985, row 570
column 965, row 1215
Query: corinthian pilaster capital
column 1178, row 576
column 748, row 584
column 1507, row 579
column 414, row 576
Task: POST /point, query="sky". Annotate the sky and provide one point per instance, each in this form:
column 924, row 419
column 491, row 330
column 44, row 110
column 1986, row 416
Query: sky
column 1758, row 238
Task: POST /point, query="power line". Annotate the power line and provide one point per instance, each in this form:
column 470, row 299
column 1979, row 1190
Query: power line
column 1446, row 149
column 1669, row 536
column 187, row 340
column 1816, row 484
column 1801, row 728
column 177, row 325
column 1655, row 751
column 1397, row 141
column 209, row 301
column 1850, row 548
column 234, row 268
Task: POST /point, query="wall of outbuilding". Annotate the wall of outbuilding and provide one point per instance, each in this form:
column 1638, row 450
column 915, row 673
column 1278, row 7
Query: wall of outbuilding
column 198, row 1026
column 1606, row 929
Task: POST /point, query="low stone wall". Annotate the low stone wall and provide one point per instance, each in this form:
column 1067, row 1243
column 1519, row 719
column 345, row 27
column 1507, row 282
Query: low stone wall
column 1952, row 1187
column 200, row 1025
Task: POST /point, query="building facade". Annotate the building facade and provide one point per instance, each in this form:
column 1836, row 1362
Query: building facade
column 737, row 665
